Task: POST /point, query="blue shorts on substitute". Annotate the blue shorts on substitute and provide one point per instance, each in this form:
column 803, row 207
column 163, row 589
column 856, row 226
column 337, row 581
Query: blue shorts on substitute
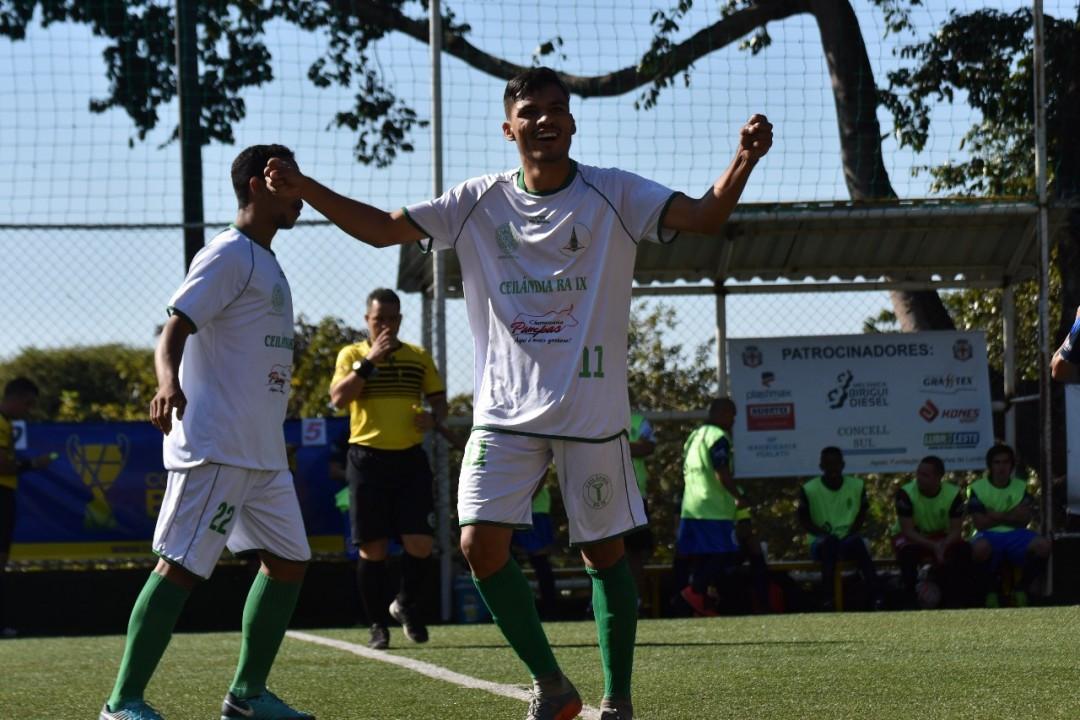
column 701, row 537
column 539, row 538
column 1011, row 544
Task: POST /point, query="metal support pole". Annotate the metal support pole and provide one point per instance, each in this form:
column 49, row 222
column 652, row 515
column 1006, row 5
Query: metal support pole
column 187, row 80
column 1008, row 335
column 1039, row 72
column 721, row 340
column 438, row 290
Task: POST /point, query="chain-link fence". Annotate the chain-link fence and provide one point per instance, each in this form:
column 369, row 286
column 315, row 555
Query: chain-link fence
column 90, row 206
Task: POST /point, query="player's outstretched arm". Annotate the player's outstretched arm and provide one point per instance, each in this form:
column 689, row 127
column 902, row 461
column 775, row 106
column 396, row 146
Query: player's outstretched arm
column 708, row 213
column 365, row 223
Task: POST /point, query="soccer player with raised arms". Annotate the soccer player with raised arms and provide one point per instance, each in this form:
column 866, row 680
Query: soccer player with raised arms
column 547, row 256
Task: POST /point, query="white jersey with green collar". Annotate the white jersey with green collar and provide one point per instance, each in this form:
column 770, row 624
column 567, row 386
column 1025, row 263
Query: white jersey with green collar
column 547, row 281
column 237, row 365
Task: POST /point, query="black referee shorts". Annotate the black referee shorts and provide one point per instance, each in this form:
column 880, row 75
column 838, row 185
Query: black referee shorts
column 390, row 493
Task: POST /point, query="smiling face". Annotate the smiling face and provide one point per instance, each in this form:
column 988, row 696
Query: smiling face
column 541, row 125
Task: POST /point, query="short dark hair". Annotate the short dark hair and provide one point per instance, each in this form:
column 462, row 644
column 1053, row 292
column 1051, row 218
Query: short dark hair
column 720, row 405
column 384, row 296
column 21, row 387
column 832, row 450
column 936, row 462
column 1000, row 449
column 250, row 163
column 529, row 82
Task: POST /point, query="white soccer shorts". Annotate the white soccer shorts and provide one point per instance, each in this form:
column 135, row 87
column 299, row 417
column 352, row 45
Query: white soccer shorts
column 209, row 508
column 500, row 472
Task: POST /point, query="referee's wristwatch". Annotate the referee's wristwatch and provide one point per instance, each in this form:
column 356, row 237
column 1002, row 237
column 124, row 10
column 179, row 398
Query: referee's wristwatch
column 364, row 368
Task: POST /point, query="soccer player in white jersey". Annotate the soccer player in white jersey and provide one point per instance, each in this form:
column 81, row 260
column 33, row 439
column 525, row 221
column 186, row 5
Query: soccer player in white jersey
column 223, row 368
column 547, row 258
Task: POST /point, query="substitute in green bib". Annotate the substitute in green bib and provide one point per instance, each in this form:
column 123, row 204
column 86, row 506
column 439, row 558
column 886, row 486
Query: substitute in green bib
column 832, row 508
column 710, row 501
column 927, row 532
column 1001, row 510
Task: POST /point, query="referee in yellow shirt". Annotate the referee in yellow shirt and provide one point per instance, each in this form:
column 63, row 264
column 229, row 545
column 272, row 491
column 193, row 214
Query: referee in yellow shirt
column 384, row 382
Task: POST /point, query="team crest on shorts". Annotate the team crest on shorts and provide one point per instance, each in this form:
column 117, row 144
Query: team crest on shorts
column 597, row 491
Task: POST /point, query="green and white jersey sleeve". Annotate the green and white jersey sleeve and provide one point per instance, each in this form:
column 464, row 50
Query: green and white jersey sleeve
column 547, row 281
column 237, row 365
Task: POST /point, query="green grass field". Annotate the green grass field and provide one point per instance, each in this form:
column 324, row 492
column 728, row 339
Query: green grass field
column 945, row 664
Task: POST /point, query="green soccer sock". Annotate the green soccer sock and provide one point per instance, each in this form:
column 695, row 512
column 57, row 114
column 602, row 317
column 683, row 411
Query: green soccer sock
column 615, row 610
column 510, row 599
column 150, row 629
column 267, row 612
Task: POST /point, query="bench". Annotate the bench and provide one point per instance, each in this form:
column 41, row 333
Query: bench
column 574, row 580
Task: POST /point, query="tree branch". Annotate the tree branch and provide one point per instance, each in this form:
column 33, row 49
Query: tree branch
column 682, row 56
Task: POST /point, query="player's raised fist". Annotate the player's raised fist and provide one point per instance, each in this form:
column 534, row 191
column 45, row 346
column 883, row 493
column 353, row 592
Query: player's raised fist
column 756, row 136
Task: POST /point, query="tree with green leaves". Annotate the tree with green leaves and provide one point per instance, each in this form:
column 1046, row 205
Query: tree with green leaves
column 100, row 382
column 986, row 58
column 316, row 350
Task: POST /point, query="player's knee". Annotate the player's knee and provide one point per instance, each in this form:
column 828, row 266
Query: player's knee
column 485, row 551
column 282, row 570
column 1040, row 547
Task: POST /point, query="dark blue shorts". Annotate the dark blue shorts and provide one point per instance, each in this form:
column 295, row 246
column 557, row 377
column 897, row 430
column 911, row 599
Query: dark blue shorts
column 1012, row 544
column 699, row 537
column 541, row 537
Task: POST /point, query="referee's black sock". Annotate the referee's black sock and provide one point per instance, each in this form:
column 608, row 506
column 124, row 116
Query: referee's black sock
column 373, row 579
column 415, row 574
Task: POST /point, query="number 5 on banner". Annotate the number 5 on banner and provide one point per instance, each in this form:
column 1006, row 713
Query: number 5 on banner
column 313, row 431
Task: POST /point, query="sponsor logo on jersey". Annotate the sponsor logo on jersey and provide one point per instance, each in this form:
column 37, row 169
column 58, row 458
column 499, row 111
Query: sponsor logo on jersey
column 580, row 239
column 597, row 491
column 278, row 379
column 508, row 240
column 277, row 300
column 536, row 327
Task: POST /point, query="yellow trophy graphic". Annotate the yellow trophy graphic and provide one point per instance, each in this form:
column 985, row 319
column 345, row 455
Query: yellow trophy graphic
column 98, row 466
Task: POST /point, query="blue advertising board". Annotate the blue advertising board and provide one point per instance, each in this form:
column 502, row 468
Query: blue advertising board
column 100, row 498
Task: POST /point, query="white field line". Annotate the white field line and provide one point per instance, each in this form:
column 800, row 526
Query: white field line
column 433, row 671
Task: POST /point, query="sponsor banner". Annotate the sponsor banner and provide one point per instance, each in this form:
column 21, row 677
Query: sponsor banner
column 100, row 498
column 886, row 400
